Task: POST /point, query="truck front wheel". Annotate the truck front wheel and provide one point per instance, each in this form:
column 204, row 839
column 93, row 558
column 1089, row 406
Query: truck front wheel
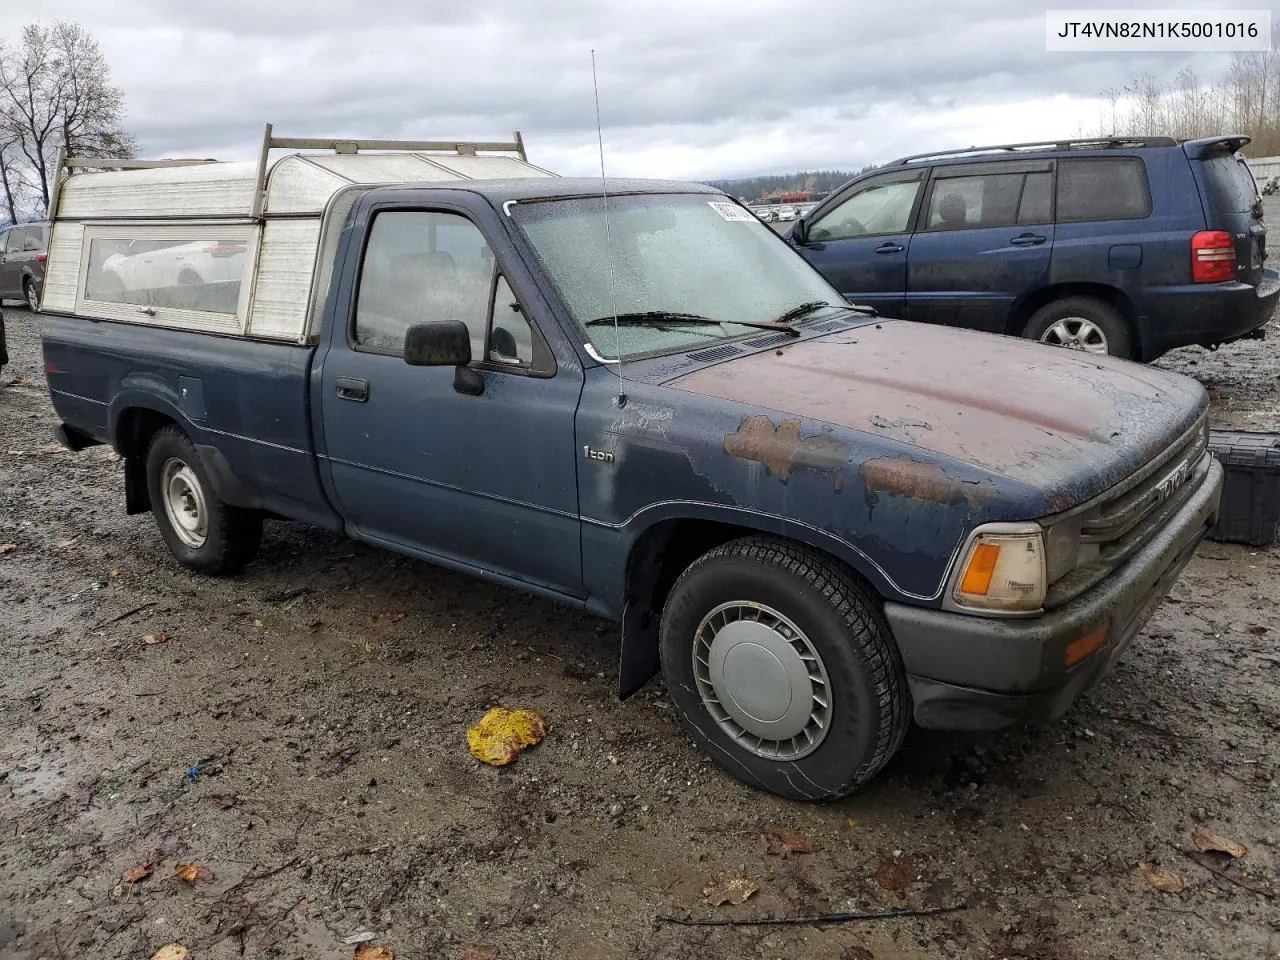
column 204, row 533
column 783, row 669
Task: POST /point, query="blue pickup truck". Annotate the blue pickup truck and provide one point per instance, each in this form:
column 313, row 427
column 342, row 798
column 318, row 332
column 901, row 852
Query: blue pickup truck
column 816, row 523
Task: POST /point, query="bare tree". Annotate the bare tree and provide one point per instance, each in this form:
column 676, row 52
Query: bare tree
column 56, row 94
column 1245, row 100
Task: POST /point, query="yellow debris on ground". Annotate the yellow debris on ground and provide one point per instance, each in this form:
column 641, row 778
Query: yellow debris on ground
column 501, row 734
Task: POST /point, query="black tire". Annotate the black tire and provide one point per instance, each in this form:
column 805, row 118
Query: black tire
column 840, row 616
column 1105, row 319
column 230, row 535
column 31, row 295
column 4, row 346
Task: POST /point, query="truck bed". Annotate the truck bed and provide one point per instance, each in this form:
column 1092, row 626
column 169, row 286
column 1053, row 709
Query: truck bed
column 248, row 399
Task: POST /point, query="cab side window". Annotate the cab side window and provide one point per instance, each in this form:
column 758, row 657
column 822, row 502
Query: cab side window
column 13, row 239
column 427, row 266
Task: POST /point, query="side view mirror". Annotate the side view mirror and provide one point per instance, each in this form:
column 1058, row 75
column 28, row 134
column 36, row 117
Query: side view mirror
column 799, row 231
column 444, row 343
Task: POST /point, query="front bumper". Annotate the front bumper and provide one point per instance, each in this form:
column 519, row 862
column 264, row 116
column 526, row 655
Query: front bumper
column 979, row 673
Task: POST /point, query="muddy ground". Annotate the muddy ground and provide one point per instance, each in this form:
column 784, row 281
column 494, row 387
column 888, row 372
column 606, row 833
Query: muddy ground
column 301, row 735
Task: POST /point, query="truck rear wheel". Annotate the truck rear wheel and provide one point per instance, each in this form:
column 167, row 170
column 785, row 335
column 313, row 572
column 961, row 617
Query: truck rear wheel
column 204, row 533
column 784, row 669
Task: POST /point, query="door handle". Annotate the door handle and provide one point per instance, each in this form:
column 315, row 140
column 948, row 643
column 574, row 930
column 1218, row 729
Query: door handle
column 890, row 247
column 1027, row 240
column 350, row 388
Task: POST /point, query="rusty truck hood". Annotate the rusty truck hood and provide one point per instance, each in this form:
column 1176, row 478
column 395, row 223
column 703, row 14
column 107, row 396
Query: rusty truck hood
column 1067, row 424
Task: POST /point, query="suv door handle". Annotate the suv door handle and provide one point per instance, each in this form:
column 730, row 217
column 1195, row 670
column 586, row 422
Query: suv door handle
column 350, row 388
column 890, row 247
column 1027, row 240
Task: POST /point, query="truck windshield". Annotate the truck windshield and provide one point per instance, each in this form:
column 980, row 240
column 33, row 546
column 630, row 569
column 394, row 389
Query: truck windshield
column 697, row 255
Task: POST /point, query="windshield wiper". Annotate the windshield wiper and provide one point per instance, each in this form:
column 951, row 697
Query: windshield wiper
column 796, row 313
column 657, row 317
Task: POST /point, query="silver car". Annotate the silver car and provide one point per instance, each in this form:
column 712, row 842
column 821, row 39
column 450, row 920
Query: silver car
column 23, row 250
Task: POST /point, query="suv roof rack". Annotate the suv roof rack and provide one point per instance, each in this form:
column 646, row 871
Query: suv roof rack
column 271, row 142
column 1094, row 143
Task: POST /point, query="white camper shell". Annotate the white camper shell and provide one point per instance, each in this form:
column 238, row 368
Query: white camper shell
column 231, row 248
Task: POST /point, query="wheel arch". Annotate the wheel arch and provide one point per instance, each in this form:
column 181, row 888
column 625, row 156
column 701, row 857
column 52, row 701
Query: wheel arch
column 662, row 548
column 1114, row 297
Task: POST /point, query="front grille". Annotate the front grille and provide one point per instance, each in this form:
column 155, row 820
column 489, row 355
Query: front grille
column 1123, row 519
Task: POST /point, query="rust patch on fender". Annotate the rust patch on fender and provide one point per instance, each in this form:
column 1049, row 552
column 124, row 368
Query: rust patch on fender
column 905, row 477
column 783, row 450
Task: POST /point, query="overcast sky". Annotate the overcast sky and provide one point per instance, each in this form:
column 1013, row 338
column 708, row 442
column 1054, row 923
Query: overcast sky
column 689, row 89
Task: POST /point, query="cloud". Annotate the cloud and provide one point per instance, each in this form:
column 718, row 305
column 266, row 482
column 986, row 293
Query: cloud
column 689, row 88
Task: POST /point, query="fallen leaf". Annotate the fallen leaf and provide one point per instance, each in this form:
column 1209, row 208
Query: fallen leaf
column 501, row 734
column 386, row 618
column 113, row 572
column 257, row 623
column 374, row 953
column 7, row 548
column 851, row 822
column 735, row 890
column 1206, row 841
column 151, row 639
column 20, row 382
column 136, row 874
column 315, row 626
column 1257, row 629
column 223, row 801
column 857, row 952
column 174, row 951
column 896, row 873
column 483, row 951
column 1162, row 878
column 780, row 842
column 192, row 873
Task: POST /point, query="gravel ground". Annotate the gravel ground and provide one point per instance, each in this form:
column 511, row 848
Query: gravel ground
column 301, row 735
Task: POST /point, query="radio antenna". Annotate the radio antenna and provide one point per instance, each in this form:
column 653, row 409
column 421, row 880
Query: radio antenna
column 608, row 238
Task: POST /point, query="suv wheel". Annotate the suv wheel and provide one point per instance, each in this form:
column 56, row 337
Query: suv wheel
column 783, row 669
column 1081, row 323
column 31, row 295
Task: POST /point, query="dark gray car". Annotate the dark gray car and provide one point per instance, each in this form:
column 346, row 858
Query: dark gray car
column 23, row 250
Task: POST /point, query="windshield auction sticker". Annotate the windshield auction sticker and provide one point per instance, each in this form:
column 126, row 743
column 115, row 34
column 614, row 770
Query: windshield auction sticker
column 731, row 211
column 1219, row 31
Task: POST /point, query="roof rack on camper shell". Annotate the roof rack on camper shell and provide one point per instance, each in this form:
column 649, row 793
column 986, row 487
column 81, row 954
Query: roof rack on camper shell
column 277, row 210
column 455, row 157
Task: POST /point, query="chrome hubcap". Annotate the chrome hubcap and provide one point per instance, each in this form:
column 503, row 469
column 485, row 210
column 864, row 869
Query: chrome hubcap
column 1076, row 333
column 762, row 680
column 184, row 503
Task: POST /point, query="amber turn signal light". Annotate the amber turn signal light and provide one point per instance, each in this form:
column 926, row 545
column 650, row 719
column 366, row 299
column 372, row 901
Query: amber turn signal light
column 1091, row 642
column 982, row 564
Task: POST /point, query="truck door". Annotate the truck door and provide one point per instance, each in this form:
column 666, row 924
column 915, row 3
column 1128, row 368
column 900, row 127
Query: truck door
column 860, row 244
column 484, row 482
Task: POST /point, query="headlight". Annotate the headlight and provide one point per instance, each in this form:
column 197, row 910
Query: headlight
column 1003, row 570
column 1062, row 548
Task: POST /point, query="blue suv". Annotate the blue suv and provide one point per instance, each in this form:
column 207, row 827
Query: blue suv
column 1129, row 247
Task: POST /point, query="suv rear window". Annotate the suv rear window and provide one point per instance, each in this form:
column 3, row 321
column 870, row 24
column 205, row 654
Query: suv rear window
column 1231, row 185
column 1102, row 188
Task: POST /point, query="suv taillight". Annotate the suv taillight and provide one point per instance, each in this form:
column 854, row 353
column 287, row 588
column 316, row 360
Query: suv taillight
column 1213, row 257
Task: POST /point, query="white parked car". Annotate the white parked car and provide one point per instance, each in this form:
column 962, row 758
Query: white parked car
column 172, row 273
column 787, row 213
